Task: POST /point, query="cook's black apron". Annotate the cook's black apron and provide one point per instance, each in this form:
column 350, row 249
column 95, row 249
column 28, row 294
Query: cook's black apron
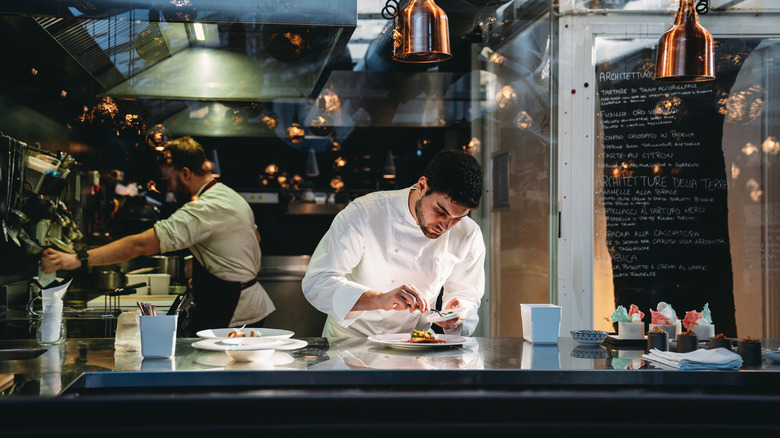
column 215, row 299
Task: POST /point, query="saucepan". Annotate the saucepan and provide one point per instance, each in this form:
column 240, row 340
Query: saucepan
column 108, row 280
column 179, row 267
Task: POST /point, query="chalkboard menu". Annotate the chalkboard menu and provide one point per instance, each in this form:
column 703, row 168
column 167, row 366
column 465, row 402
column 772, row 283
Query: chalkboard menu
column 661, row 185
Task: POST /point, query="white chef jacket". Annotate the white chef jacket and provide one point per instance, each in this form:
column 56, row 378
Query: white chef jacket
column 218, row 227
column 375, row 243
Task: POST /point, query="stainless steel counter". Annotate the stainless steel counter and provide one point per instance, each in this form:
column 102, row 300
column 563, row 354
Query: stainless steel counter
column 499, row 381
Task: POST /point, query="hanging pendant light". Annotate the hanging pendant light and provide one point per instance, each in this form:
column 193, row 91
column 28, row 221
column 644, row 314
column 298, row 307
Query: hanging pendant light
column 685, row 51
column 295, row 132
column 312, row 169
column 421, row 33
column 388, row 171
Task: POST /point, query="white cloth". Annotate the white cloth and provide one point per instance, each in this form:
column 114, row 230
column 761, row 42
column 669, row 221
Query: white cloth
column 701, row 359
column 218, row 227
column 375, row 243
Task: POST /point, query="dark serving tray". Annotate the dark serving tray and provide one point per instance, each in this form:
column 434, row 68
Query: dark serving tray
column 634, row 344
column 20, row 354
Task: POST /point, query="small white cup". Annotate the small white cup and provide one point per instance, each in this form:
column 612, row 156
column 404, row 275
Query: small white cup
column 158, row 336
column 159, row 284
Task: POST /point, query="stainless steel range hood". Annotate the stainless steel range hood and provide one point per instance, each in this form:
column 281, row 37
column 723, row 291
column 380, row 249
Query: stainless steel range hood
column 249, row 51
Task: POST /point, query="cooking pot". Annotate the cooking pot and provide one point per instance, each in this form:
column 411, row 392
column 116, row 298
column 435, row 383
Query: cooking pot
column 108, row 280
column 179, row 267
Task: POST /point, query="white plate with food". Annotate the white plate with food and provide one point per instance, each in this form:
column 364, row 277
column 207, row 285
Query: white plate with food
column 228, row 344
column 445, row 314
column 403, row 341
column 246, row 331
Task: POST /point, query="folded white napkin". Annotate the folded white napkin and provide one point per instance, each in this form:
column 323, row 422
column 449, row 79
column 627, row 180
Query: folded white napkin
column 701, row 359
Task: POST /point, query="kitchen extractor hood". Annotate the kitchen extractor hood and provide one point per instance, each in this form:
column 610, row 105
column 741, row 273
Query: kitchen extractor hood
column 197, row 49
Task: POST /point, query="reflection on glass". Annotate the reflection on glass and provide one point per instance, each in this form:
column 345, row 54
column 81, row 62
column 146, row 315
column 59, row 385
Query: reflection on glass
column 236, row 117
column 361, row 118
column 329, row 101
column 754, row 188
column 628, row 360
column 157, row 137
column 749, row 149
column 289, row 45
column 270, row 120
column 321, row 125
column 179, row 10
column 523, row 120
column 770, row 146
column 271, row 170
column 669, row 106
column 506, row 97
column 132, row 126
column 745, row 106
column 473, row 146
column 295, row 133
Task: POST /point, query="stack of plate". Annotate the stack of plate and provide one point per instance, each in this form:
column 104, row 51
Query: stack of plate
column 248, row 348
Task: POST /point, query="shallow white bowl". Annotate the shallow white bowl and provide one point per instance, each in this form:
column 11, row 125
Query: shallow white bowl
column 250, row 355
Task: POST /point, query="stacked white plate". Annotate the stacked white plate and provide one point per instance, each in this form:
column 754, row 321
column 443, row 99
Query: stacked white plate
column 248, row 348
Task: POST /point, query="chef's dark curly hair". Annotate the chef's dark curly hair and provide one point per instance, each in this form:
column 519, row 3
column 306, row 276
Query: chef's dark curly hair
column 185, row 152
column 456, row 174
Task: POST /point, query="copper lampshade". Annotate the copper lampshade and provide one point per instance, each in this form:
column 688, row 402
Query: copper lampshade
column 685, row 51
column 421, row 33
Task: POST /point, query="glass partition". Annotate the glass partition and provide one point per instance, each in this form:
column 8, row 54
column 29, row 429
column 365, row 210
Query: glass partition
column 684, row 185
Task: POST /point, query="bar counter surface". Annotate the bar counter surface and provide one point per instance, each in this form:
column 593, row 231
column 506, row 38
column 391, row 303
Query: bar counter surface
column 86, row 388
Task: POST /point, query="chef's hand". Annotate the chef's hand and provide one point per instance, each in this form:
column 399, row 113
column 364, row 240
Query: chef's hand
column 406, row 297
column 53, row 261
column 454, row 322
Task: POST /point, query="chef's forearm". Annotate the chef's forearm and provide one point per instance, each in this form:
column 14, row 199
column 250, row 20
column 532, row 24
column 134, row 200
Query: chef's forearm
column 126, row 248
column 367, row 301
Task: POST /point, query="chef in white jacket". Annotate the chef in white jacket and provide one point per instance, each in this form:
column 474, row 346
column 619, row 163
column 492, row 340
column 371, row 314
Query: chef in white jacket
column 386, row 257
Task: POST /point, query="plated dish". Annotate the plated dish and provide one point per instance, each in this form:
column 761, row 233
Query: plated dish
column 446, row 314
column 247, row 331
column 401, row 340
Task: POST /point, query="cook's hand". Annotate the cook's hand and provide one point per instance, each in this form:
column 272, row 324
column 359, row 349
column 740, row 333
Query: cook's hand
column 406, row 297
column 454, row 322
column 53, row 261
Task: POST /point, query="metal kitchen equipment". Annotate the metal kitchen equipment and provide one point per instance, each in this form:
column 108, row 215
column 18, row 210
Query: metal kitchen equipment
column 112, row 302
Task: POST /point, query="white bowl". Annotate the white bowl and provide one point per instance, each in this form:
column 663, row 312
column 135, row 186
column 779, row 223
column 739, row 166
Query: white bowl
column 250, row 355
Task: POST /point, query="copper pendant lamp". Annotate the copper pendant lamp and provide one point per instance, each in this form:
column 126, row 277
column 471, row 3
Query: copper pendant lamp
column 421, row 33
column 685, row 51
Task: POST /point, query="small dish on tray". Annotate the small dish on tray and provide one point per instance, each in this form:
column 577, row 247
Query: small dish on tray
column 445, row 314
column 401, row 340
column 247, row 331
